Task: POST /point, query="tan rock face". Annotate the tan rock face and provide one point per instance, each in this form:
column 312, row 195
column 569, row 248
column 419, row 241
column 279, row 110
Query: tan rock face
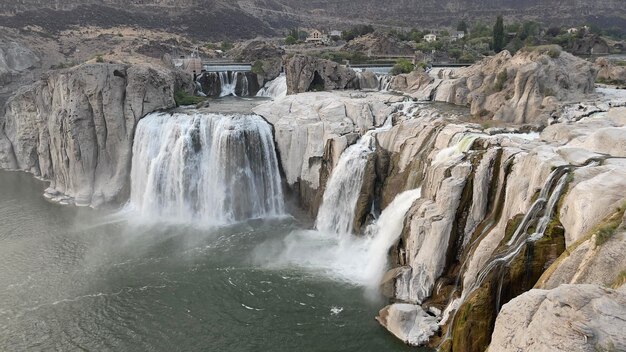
column 568, row 318
column 306, row 73
column 378, row 44
column 76, row 127
column 312, row 130
column 520, row 89
column 609, row 73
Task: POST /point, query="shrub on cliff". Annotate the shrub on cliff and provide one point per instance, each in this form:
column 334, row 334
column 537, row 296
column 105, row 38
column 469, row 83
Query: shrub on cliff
column 554, row 51
column 402, row 66
column 183, row 98
column 290, row 40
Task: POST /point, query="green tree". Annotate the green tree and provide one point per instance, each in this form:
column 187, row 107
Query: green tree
column 480, row 30
column 498, row 35
column 402, row 66
column 462, row 26
column 290, row 40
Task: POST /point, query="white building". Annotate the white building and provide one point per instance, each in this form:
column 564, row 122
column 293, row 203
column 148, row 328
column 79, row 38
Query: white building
column 335, row 33
column 430, row 38
column 456, row 35
column 572, row 30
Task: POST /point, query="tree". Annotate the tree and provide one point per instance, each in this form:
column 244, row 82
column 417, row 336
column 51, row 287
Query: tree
column 553, row 31
column 498, row 35
column 462, row 26
column 290, row 40
column 480, row 30
column 402, row 66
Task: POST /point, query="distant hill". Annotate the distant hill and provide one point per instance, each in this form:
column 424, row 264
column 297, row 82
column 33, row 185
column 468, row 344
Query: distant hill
column 219, row 19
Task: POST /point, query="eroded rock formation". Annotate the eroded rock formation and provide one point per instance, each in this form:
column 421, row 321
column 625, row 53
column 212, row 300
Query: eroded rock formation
column 378, row 44
column 573, row 318
column 306, row 73
column 524, row 88
column 498, row 206
column 14, row 59
column 610, row 73
column 75, row 128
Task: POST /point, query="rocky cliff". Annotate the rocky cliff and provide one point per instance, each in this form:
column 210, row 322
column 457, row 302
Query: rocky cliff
column 610, row 73
column 524, row 88
column 498, row 208
column 14, row 59
column 75, row 128
column 306, row 73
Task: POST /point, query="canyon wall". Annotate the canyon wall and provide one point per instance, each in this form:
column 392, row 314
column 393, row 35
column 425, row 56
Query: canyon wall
column 75, row 127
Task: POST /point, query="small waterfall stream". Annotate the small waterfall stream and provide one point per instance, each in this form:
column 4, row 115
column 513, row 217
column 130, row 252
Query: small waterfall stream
column 538, row 215
column 226, row 83
column 229, row 81
column 275, row 88
column 336, row 214
column 205, row 168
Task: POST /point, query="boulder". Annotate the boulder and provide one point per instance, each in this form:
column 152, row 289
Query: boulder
column 306, row 73
column 590, row 44
column 75, row 127
column 610, row 73
column 569, row 318
column 408, row 322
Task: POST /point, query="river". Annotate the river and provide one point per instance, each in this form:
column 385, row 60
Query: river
column 82, row 279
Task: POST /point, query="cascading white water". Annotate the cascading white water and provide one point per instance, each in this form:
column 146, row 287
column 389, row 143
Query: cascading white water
column 385, row 232
column 205, row 168
column 539, row 214
column 275, row 88
column 229, row 80
column 228, row 83
column 336, row 214
column 384, row 82
column 461, row 143
column 360, row 260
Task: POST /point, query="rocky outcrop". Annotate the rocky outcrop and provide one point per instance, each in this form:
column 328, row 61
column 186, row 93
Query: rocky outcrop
column 313, row 129
column 525, row 88
column 590, row 44
column 266, row 57
column 610, row 73
column 378, row 43
column 497, row 210
column 306, row 74
column 14, row 59
column 568, row 318
column 75, row 128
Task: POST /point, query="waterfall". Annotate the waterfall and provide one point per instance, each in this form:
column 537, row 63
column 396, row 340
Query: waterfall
column 385, row 232
column 228, row 82
column 384, row 82
column 461, row 143
column 336, row 214
column 539, row 214
column 275, row 88
column 205, row 167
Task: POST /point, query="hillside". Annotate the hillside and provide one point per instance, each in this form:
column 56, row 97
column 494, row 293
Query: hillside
column 218, row 19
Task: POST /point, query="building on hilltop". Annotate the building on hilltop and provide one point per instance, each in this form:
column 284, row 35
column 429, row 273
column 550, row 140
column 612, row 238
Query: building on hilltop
column 317, row 37
column 430, row 37
column 457, row 35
